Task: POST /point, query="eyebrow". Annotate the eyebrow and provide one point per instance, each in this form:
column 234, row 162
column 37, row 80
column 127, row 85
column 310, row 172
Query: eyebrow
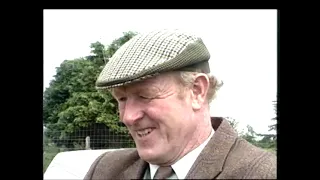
column 117, row 91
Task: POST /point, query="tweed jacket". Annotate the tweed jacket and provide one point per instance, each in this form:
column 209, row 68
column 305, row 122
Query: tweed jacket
column 226, row 156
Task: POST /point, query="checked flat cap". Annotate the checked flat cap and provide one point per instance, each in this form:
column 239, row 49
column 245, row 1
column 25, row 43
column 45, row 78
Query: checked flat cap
column 146, row 55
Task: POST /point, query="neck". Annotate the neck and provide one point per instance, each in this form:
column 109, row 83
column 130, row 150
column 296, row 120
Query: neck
column 202, row 132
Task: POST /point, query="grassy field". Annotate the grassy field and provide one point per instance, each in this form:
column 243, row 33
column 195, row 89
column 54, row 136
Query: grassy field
column 272, row 150
column 47, row 158
column 49, row 153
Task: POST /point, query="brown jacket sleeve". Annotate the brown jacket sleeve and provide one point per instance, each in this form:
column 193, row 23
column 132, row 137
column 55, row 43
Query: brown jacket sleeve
column 264, row 167
column 93, row 166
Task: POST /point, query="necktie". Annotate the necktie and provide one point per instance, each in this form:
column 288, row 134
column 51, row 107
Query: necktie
column 163, row 172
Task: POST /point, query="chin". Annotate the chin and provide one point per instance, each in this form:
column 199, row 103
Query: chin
column 150, row 155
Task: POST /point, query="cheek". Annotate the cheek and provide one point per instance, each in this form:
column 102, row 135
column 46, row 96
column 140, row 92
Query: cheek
column 167, row 113
column 159, row 110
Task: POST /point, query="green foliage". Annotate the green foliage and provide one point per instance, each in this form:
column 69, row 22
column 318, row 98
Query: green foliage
column 267, row 141
column 117, row 43
column 101, row 55
column 49, row 152
column 72, row 105
column 234, row 124
column 270, row 140
column 274, row 126
column 250, row 136
column 72, row 76
column 47, row 158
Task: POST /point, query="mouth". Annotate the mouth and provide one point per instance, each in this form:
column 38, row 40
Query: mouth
column 144, row 132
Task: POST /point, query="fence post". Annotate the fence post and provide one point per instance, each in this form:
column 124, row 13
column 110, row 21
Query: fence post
column 88, row 143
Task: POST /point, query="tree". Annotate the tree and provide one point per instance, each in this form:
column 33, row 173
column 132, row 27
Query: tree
column 117, row 43
column 270, row 140
column 235, row 125
column 232, row 122
column 99, row 53
column 273, row 127
column 72, row 105
column 250, row 136
column 102, row 56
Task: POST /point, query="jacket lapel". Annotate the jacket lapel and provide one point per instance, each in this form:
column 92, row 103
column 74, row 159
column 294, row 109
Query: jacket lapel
column 136, row 170
column 210, row 161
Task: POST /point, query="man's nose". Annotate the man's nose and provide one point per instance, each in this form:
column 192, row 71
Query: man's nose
column 132, row 112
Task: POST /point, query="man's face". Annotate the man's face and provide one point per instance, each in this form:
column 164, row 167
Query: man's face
column 159, row 116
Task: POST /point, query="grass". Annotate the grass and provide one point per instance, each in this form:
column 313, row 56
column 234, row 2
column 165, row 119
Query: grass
column 47, row 158
column 50, row 151
column 273, row 150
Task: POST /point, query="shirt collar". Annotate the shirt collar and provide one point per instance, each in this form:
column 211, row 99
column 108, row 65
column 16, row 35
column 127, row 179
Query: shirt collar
column 182, row 167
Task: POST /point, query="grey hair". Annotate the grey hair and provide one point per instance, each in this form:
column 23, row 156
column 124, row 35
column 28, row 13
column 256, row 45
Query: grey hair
column 187, row 79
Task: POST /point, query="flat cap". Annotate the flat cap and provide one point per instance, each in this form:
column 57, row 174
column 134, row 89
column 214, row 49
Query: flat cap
column 146, row 55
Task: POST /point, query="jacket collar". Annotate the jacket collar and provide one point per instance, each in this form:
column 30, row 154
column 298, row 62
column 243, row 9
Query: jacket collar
column 210, row 161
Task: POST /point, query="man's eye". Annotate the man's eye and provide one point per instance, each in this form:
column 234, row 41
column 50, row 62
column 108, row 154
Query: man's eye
column 122, row 99
column 144, row 97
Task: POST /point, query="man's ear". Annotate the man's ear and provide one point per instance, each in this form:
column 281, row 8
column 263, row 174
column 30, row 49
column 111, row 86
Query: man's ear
column 199, row 90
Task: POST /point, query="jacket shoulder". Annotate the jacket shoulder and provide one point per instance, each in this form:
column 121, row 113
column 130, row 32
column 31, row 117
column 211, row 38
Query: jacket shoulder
column 247, row 161
column 108, row 163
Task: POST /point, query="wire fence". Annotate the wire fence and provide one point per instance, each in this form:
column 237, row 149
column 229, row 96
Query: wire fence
column 97, row 137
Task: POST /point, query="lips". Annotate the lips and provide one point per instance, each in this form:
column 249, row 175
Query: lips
column 144, row 132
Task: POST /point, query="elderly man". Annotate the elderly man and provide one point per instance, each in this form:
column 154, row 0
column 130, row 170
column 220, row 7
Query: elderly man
column 163, row 86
